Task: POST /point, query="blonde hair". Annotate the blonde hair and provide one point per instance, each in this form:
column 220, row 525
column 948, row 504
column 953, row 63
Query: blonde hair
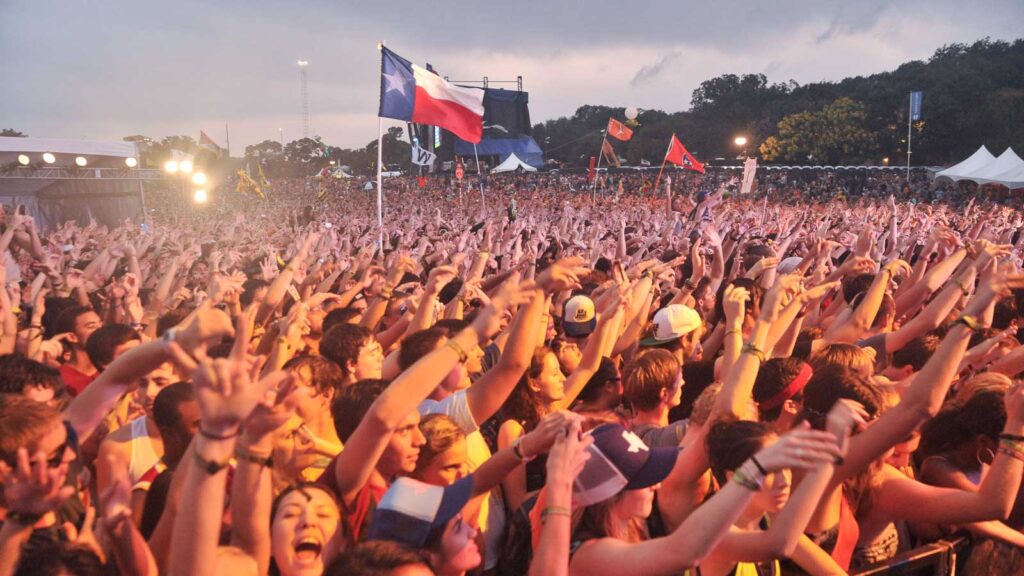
column 849, row 356
column 986, row 381
column 441, row 433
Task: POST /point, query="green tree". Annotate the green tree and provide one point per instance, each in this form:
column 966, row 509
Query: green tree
column 264, row 149
column 11, row 132
column 833, row 135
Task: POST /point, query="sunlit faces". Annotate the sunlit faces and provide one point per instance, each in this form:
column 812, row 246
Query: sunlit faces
column 370, row 361
column 305, row 521
column 675, row 394
column 447, row 467
column 403, row 449
column 85, row 325
column 311, row 403
column 151, row 384
column 549, row 385
column 459, row 551
column 55, row 445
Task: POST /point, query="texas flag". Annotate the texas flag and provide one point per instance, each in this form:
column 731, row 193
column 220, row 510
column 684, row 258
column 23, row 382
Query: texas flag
column 680, row 156
column 413, row 94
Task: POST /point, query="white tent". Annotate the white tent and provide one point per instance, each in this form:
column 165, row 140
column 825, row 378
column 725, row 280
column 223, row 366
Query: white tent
column 1012, row 178
column 512, row 163
column 1007, row 161
column 960, row 171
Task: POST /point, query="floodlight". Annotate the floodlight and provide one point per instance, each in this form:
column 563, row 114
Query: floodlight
column 199, row 196
column 81, row 161
column 185, row 166
column 49, row 158
column 23, row 159
column 199, row 178
column 131, row 162
column 170, row 166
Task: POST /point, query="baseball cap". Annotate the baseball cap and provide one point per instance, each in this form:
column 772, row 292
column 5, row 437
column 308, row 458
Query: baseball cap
column 789, row 264
column 620, row 460
column 578, row 317
column 671, row 322
column 411, row 509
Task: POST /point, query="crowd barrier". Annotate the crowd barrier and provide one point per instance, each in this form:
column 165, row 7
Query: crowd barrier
column 935, row 559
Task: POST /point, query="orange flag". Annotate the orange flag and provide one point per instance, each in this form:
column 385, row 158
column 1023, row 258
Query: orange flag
column 618, row 130
column 609, row 153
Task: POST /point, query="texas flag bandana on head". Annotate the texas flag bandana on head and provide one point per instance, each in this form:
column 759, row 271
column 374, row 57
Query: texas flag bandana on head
column 413, row 94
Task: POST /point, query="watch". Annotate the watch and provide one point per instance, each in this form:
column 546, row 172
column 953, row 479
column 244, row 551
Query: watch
column 971, row 323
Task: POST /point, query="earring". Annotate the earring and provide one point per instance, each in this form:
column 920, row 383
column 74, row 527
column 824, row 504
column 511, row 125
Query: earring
column 985, row 461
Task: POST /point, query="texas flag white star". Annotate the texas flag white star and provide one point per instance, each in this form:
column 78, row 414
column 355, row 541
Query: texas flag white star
column 395, row 82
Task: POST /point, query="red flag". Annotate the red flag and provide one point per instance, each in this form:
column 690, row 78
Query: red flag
column 618, row 130
column 609, row 153
column 590, row 174
column 208, row 143
column 680, row 156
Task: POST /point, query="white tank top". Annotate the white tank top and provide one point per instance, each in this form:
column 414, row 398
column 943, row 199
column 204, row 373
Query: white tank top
column 143, row 456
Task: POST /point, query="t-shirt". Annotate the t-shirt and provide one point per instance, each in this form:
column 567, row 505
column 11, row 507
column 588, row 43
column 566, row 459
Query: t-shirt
column 456, row 407
column 74, row 380
column 662, row 436
column 355, row 517
column 877, row 343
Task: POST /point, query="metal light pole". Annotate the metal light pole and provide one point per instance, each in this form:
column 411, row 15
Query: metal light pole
column 303, row 64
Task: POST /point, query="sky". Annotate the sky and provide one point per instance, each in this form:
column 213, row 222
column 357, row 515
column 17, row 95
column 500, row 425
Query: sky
column 105, row 69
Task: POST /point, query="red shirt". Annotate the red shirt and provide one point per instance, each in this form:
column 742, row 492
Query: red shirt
column 74, row 380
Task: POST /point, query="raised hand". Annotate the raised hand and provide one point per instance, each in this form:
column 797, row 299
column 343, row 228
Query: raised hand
column 562, row 275
column 785, row 287
column 33, row 488
column 800, row 448
column 512, row 293
column 845, row 417
column 568, row 456
column 734, row 304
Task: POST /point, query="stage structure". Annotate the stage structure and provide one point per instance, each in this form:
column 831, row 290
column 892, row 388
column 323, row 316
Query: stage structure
column 61, row 179
column 507, row 127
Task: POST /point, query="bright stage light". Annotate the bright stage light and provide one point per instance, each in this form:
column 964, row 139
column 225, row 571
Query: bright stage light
column 49, row 158
column 23, row 159
column 81, row 161
column 199, row 178
column 131, row 162
column 170, row 167
column 741, row 140
column 303, row 63
column 185, row 166
column 199, row 196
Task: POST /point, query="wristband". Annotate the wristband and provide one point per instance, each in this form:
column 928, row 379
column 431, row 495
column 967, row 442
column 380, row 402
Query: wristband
column 23, row 518
column 246, row 456
column 749, row 348
column 1011, row 453
column 741, row 479
column 969, row 321
column 760, row 468
column 554, row 511
column 451, row 343
column 208, row 466
column 517, row 449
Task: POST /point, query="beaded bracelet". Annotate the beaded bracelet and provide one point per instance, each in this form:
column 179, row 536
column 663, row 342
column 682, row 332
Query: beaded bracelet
column 1011, row 453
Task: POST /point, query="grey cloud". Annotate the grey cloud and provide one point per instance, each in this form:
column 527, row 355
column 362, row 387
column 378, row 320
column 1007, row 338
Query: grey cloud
column 648, row 73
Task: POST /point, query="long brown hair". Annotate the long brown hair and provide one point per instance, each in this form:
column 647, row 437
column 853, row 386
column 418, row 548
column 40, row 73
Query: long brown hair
column 596, row 521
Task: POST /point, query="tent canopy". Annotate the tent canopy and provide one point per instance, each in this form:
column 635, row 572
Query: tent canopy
column 977, row 160
column 983, row 168
column 512, row 163
column 65, row 149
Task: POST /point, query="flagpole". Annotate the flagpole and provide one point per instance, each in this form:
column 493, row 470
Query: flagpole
column 480, row 177
column 597, row 171
column 910, row 116
column 380, row 190
column 663, row 161
column 227, row 140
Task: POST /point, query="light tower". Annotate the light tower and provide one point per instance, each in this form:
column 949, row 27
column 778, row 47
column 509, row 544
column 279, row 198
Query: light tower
column 303, row 64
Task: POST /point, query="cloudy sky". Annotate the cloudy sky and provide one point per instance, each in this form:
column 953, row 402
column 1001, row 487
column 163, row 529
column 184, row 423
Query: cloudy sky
column 104, row 69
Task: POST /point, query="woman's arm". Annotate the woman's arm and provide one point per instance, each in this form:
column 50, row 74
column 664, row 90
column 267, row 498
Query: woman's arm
column 514, row 484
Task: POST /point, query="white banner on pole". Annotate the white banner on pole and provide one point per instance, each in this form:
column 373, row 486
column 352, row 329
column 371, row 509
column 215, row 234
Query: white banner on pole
column 422, row 157
column 749, row 169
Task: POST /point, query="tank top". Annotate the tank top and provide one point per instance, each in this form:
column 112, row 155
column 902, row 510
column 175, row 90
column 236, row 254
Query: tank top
column 143, row 457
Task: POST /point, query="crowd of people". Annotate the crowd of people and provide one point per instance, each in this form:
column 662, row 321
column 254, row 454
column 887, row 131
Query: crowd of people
column 527, row 378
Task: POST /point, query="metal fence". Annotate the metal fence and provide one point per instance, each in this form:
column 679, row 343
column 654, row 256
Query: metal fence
column 935, row 559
